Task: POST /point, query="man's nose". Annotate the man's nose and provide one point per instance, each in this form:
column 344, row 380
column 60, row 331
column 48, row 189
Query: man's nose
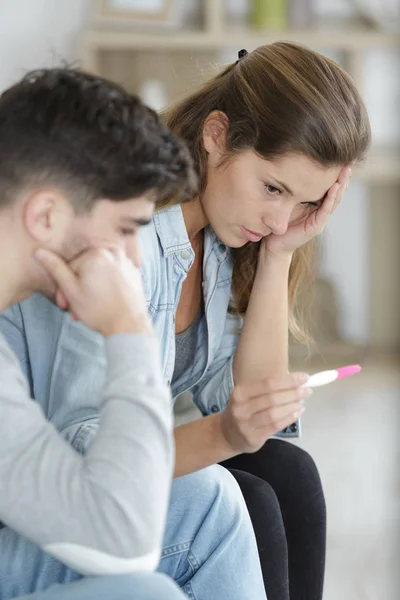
column 132, row 250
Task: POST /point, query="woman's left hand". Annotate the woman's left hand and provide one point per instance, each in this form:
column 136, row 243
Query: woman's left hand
column 301, row 232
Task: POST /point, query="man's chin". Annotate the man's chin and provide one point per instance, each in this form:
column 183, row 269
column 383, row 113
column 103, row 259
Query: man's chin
column 48, row 289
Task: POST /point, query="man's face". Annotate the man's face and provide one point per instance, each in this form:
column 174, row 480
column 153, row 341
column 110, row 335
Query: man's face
column 108, row 224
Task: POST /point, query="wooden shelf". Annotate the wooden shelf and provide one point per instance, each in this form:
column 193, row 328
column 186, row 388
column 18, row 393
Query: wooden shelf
column 174, row 48
column 344, row 38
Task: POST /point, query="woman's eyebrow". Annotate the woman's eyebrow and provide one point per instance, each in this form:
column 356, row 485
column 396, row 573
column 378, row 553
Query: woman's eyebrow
column 284, row 186
column 289, row 191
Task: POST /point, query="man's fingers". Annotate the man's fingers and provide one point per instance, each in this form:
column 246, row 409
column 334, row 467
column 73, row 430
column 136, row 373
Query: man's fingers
column 60, row 272
column 61, row 300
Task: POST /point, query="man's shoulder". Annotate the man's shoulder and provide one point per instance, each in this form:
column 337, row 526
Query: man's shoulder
column 5, row 350
column 35, row 312
column 9, row 365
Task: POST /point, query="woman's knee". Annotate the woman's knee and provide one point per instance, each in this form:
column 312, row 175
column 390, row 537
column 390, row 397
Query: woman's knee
column 299, row 476
column 258, row 493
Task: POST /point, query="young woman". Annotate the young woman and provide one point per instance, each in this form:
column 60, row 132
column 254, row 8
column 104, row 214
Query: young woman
column 273, row 138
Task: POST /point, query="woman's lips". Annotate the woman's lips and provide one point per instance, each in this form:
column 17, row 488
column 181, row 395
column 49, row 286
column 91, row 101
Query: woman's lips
column 251, row 236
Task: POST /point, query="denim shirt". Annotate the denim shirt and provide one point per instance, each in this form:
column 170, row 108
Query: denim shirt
column 167, row 256
column 65, row 362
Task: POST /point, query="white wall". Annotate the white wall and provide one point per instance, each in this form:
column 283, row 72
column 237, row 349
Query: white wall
column 38, row 33
column 35, row 33
column 345, row 261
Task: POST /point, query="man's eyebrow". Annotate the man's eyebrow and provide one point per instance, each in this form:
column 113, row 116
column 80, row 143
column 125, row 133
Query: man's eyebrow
column 137, row 221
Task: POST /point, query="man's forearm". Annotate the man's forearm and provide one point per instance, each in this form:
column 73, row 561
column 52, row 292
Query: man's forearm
column 200, row 444
column 90, row 512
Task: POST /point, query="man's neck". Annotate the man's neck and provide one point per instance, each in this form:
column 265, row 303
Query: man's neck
column 14, row 274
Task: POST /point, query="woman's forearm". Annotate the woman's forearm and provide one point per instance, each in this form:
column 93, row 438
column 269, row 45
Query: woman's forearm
column 200, row 444
column 263, row 346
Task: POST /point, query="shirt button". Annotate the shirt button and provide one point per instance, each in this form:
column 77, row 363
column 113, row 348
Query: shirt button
column 185, row 254
column 214, row 408
column 222, row 247
column 293, row 428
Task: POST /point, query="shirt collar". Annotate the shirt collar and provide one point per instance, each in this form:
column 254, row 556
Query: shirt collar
column 171, row 229
column 172, row 233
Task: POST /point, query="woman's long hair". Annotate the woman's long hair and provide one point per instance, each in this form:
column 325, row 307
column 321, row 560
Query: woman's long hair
column 281, row 98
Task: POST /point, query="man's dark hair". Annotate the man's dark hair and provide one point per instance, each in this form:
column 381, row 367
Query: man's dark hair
column 89, row 137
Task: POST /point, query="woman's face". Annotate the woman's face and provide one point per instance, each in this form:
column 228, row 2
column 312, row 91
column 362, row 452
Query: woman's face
column 248, row 197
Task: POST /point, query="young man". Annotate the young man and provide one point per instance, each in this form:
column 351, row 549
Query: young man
column 209, row 545
column 81, row 161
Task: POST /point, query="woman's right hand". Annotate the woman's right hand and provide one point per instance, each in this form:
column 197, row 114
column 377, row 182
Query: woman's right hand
column 102, row 288
column 256, row 411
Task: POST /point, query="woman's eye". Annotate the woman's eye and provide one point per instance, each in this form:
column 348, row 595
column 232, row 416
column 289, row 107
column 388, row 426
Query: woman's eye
column 271, row 189
column 311, row 204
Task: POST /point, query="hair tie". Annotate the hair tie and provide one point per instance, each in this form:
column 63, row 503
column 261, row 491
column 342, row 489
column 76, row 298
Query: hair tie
column 241, row 54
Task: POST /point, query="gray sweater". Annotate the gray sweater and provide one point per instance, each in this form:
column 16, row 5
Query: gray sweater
column 104, row 512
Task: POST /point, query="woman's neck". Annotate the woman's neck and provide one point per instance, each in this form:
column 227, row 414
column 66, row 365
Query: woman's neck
column 194, row 217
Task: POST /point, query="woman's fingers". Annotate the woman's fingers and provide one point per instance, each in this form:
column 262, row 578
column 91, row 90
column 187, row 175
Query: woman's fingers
column 344, row 180
column 243, row 393
column 275, row 417
column 333, row 197
column 277, row 399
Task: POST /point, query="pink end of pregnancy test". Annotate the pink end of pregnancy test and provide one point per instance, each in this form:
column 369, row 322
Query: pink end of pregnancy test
column 325, row 377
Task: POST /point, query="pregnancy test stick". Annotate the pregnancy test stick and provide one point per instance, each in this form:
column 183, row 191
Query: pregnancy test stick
column 325, row 377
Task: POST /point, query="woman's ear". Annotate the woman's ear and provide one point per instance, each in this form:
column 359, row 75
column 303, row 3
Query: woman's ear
column 45, row 216
column 215, row 132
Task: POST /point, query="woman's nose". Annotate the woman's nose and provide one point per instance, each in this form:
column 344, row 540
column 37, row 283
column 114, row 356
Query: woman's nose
column 278, row 220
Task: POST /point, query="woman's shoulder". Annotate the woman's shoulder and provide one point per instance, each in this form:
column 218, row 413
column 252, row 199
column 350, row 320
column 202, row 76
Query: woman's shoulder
column 150, row 248
column 165, row 233
column 148, row 238
column 151, row 257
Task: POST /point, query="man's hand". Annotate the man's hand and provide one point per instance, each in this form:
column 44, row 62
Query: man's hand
column 102, row 288
column 256, row 411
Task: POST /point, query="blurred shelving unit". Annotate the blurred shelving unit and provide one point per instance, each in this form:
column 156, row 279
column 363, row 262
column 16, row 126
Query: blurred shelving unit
column 182, row 58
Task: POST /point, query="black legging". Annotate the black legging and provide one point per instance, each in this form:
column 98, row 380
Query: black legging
column 284, row 496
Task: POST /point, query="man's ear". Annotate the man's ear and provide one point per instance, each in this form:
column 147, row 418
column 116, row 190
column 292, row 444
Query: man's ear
column 45, row 216
column 215, row 132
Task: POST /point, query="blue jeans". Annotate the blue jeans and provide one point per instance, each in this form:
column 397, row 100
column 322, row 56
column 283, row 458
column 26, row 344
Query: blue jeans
column 137, row 586
column 209, row 546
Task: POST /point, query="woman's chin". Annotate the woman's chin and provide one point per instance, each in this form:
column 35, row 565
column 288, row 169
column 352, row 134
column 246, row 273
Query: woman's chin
column 231, row 240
